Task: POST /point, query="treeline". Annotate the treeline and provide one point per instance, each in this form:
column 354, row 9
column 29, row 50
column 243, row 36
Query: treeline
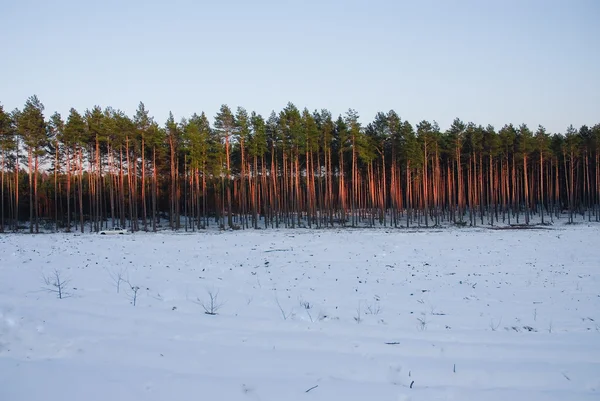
column 102, row 168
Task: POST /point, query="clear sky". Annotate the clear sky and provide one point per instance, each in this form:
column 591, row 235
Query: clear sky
column 519, row 61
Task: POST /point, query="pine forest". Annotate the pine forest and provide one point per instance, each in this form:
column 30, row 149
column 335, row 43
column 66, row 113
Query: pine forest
column 238, row 170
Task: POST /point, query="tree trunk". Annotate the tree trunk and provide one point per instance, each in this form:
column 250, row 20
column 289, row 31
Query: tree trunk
column 2, row 193
column 35, row 195
column 30, row 168
column 154, row 189
column 542, row 186
column 80, row 167
column 144, row 212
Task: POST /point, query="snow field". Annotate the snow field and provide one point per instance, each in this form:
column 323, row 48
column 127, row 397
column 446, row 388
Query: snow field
column 449, row 314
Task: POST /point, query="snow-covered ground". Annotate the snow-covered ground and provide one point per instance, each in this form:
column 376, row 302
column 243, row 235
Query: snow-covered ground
column 471, row 314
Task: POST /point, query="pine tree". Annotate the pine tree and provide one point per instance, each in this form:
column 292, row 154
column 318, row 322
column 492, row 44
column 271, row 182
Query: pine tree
column 542, row 145
column 507, row 137
column 56, row 129
column 225, row 126
column 32, row 128
column 412, row 157
column 243, row 131
column 7, row 146
column 310, row 134
column 155, row 140
column 74, row 139
column 491, row 147
column 173, row 136
column 95, row 136
column 570, row 153
column 257, row 151
column 525, row 146
column 455, row 135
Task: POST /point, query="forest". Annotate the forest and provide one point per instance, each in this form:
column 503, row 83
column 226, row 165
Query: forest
column 102, row 168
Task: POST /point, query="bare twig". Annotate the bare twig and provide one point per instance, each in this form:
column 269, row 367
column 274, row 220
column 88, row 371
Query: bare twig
column 493, row 326
column 312, row 388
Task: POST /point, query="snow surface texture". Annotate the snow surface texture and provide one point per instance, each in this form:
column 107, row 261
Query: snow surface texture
column 471, row 314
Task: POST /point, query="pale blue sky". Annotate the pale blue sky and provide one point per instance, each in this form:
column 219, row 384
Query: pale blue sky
column 536, row 61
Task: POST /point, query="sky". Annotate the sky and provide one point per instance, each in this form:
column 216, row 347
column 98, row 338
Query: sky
column 489, row 62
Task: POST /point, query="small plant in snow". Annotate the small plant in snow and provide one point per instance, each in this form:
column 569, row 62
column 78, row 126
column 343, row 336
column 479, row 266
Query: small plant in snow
column 212, row 305
column 117, row 278
column 322, row 316
column 307, row 306
column 283, row 313
column 132, row 292
column 493, row 326
column 373, row 308
column 55, row 283
column 422, row 323
column 358, row 317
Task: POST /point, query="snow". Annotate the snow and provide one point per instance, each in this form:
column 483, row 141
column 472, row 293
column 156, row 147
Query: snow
column 459, row 314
